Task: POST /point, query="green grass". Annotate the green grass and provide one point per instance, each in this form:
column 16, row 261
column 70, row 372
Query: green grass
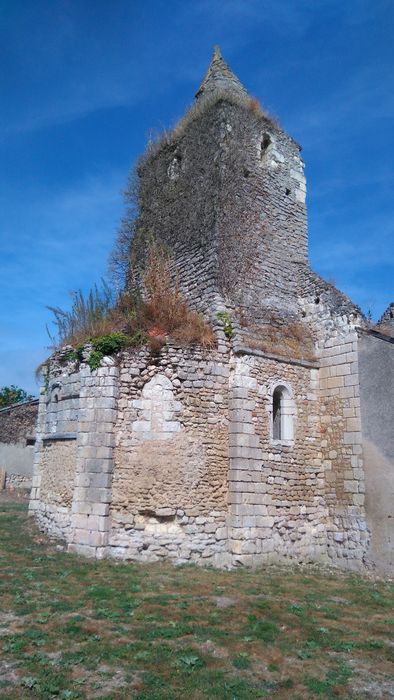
column 72, row 628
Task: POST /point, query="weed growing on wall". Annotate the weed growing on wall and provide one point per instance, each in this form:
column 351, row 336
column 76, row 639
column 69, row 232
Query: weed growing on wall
column 224, row 317
column 292, row 339
column 88, row 316
column 106, row 345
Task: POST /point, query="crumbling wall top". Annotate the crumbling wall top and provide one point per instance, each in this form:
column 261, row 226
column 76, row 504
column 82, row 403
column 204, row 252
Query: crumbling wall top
column 387, row 318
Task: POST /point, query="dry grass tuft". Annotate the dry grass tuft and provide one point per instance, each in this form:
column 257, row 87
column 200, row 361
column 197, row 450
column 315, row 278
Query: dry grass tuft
column 255, row 106
column 160, row 312
column 169, row 137
column 292, row 340
column 165, row 308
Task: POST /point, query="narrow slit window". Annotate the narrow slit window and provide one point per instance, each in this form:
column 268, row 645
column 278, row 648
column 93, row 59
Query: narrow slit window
column 277, row 410
column 265, row 144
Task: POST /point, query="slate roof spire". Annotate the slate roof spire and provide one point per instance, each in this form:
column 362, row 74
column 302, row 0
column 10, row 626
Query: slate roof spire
column 220, row 78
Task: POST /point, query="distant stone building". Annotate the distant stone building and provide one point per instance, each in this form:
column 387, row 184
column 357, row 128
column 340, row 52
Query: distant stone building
column 277, row 445
column 17, row 439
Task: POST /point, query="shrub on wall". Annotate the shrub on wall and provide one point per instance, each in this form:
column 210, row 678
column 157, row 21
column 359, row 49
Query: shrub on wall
column 133, row 318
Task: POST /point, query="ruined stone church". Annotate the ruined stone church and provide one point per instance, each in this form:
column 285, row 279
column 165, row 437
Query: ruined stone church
column 276, row 444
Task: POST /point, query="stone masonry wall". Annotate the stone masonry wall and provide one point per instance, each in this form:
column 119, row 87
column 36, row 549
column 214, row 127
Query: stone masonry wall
column 17, row 436
column 277, row 508
column 17, row 481
column 342, row 451
column 178, row 190
column 90, row 521
column 174, row 456
column 18, row 422
column 55, row 451
column 336, row 319
column 226, row 193
column 57, row 472
column 261, row 214
column 169, row 489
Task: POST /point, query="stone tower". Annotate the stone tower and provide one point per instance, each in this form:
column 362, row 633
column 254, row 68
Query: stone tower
column 226, row 191
column 273, row 445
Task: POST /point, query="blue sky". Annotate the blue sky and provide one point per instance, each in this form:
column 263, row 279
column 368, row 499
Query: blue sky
column 84, row 81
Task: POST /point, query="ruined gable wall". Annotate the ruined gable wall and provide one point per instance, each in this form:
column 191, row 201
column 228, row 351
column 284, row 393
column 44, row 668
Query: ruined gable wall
column 163, row 487
column 170, row 480
column 386, row 321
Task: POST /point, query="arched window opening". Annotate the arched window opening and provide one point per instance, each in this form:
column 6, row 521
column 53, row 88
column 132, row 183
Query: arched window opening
column 282, row 416
column 277, row 414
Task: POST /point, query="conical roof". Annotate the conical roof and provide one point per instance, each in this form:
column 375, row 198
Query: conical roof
column 220, row 78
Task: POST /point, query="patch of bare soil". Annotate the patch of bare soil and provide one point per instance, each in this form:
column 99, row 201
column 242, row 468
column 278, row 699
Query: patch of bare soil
column 105, row 681
column 8, row 674
column 223, row 601
column 6, row 620
column 371, row 683
column 212, row 649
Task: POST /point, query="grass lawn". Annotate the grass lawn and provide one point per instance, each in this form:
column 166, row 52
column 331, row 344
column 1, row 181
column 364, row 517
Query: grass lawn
column 72, row 628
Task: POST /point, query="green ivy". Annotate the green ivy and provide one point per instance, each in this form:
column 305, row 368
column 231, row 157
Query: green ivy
column 110, row 344
column 105, row 345
column 224, row 317
column 95, row 358
column 75, row 355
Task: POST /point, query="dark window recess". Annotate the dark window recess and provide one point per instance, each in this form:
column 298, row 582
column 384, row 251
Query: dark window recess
column 277, row 414
column 287, row 191
column 174, row 167
column 265, row 143
column 317, row 300
column 30, row 441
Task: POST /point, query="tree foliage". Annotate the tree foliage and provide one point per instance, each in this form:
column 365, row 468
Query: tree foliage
column 120, row 260
column 13, row 394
